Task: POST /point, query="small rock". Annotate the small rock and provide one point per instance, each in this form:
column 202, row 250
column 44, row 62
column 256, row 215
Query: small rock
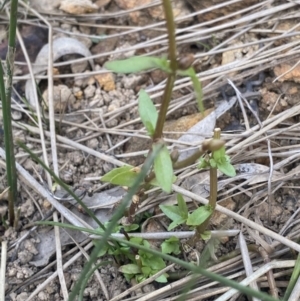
column 85, row 169
column 76, row 158
column 27, row 208
column 22, row 297
column 67, row 176
column 269, row 99
column 120, row 55
column 102, row 3
column 66, row 26
column 78, row 7
column 79, row 67
column 112, row 123
column 83, row 81
column 94, row 292
column 50, row 289
column 29, row 246
column 77, row 93
column 46, row 205
column 288, row 72
column 112, row 107
column 25, row 256
column 62, row 96
column 89, row 91
column 106, row 81
column 107, row 45
column 11, row 272
column 148, row 288
column 43, row 296
column 130, row 82
column 45, row 5
column 179, row 10
column 158, row 76
column 93, row 143
column 129, row 4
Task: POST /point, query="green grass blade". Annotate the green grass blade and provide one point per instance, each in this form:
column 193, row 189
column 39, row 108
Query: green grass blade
column 293, row 280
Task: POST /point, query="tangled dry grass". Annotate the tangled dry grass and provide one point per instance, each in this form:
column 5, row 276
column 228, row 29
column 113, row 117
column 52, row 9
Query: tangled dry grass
column 236, row 46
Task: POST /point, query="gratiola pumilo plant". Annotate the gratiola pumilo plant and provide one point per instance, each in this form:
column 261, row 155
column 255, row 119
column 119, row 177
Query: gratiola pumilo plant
column 161, row 173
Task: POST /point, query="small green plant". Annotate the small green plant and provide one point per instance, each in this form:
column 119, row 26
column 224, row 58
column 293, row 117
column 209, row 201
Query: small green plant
column 144, row 264
column 218, row 160
column 179, row 214
column 139, row 264
column 162, row 172
column 199, row 218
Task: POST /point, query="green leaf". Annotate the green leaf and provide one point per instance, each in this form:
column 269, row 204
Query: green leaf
column 103, row 250
column 146, row 271
column 131, row 227
column 199, row 215
column 203, row 163
column 219, row 154
column 175, row 214
column 163, row 169
column 147, row 112
column 212, row 163
column 182, row 206
column 172, row 212
column 196, row 85
column 146, row 244
column 176, row 223
column 140, row 278
column 137, row 64
column 222, row 162
column 155, row 183
column 162, row 278
column 155, row 262
column 227, row 169
column 122, row 176
column 171, row 245
column 206, row 235
column 130, row 269
column 136, row 240
column 128, row 277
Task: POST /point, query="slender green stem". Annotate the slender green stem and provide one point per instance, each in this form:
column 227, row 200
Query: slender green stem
column 164, row 107
column 173, row 65
column 8, row 141
column 293, row 279
column 190, row 160
column 168, row 10
column 13, row 23
column 6, row 104
column 213, row 177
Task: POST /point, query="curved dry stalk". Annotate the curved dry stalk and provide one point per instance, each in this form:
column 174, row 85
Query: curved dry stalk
column 3, row 269
column 264, row 269
column 60, row 271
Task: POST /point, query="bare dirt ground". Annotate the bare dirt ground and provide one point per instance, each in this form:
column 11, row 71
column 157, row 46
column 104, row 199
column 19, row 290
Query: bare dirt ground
column 246, row 55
